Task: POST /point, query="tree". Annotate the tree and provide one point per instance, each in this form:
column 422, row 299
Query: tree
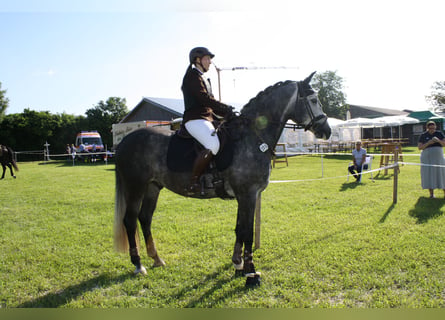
column 31, row 129
column 437, row 97
column 104, row 115
column 333, row 100
column 4, row 102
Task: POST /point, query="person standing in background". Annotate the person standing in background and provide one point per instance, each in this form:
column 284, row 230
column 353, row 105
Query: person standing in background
column 432, row 170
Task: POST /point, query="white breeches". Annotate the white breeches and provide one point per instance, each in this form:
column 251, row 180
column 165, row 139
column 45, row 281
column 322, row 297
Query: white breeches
column 202, row 130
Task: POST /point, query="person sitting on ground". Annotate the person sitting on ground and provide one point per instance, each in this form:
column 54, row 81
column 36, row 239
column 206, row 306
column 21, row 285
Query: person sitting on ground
column 358, row 158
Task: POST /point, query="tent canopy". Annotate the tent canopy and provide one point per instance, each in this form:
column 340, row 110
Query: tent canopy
column 424, row 116
column 386, row 121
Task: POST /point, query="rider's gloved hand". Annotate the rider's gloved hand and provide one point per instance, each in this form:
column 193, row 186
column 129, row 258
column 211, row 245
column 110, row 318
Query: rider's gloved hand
column 230, row 113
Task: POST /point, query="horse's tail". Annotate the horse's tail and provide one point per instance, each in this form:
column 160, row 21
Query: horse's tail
column 120, row 232
column 11, row 158
column 120, row 206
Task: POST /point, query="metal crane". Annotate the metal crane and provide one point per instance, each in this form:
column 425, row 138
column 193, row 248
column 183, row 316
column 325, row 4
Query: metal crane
column 218, row 71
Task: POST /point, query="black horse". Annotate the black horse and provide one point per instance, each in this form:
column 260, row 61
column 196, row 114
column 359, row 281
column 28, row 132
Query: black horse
column 142, row 170
column 7, row 160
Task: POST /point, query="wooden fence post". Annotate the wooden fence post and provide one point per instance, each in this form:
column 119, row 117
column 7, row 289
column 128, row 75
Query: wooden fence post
column 396, row 175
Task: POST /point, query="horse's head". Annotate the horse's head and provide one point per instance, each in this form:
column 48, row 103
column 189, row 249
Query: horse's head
column 309, row 112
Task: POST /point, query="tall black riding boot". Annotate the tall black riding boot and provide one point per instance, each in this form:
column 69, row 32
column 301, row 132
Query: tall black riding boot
column 201, row 163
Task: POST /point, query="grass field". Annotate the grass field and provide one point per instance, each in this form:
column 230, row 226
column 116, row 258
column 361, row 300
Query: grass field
column 324, row 242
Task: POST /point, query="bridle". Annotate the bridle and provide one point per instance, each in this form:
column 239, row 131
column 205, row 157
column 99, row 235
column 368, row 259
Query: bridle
column 303, row 98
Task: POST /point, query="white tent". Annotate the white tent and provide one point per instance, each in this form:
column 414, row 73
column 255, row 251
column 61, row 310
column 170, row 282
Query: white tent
column 380, row 122
column 298, row 140
column 386, row 121
column 396, row 121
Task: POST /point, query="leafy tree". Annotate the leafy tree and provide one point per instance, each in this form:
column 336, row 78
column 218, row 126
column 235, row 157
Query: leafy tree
column 104, row 115
column 4, row 102
column 28, row 131
column 329, row 86
column 437, row 96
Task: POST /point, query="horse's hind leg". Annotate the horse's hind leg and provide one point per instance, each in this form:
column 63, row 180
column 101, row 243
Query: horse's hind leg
column 145, row 218
column 4, row 170
column 130, row 222
column 10, row 169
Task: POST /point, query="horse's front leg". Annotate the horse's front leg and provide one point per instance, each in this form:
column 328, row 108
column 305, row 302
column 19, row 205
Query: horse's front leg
column 244, row 235
column 4, row 170
column 237, row 258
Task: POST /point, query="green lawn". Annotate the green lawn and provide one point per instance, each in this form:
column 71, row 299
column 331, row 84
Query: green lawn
column 324, row 242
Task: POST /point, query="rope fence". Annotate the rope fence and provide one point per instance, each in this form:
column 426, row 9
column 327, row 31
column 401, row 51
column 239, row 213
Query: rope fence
column 395, row 166
column 39, row 155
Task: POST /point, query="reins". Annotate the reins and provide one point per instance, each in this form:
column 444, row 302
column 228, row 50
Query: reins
column 302, row 97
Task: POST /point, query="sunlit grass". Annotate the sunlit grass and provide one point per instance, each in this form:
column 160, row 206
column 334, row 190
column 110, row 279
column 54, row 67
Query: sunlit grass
column 324, row 242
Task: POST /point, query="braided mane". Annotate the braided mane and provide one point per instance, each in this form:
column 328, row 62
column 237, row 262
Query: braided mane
column 252, row 105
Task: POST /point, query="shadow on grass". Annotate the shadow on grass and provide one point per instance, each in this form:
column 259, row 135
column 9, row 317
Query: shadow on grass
column 77, row 163
column 426, row 209
column 386, row 214
column 209, row 286
column 212, row 283
column 349, row 185
column 60, row 298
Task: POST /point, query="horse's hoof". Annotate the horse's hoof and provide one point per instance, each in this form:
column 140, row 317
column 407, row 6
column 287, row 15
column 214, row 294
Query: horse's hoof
column 239, row 266
column 253, row 280
column 140, row 270
column 14, row 177
column 159, row 263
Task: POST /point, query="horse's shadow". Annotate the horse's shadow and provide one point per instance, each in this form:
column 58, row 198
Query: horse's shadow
column 426, row 209
column 60, row 298
column 215, row 281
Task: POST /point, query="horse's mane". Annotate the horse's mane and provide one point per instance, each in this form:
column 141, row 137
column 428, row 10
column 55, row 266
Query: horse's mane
column 252, row 105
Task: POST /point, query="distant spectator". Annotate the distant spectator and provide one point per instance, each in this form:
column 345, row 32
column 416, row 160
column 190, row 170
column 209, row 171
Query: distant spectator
column 93, row 151
column 358, row 158
column 431, row 143
column 68, row 151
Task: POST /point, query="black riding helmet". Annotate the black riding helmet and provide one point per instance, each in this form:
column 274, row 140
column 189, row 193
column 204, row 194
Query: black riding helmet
column 199, row 52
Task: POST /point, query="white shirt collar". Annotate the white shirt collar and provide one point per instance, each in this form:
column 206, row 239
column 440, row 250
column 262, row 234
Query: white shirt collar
column 200, row 72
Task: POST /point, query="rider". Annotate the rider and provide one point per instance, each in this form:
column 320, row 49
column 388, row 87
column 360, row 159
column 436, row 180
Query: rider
column 200, row 109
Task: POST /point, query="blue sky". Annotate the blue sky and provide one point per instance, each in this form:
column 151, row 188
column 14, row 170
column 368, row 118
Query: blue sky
column 66, row 56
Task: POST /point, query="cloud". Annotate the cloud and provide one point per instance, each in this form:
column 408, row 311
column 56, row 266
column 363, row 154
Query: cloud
column 47, row 73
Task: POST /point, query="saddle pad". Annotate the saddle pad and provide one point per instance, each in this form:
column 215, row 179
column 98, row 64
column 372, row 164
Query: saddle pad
column 182, row 154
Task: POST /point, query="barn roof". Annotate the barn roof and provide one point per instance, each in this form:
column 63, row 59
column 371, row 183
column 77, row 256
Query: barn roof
column 373, row 112
column 156, row 109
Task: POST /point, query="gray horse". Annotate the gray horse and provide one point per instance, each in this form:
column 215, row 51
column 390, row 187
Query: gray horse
column 142, row 171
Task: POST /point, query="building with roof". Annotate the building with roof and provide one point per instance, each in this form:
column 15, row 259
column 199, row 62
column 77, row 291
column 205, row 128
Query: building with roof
column 149, row 112
column 357, row 111
column 155, row 109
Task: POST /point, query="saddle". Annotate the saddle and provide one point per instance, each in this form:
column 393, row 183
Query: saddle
column 183, row 150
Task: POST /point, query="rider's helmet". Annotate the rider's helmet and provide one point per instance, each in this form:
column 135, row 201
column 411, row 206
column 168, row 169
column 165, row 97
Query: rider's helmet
column 199, row 52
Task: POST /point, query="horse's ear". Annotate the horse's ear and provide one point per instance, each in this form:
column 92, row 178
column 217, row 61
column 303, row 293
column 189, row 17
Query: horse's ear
column 308, row 79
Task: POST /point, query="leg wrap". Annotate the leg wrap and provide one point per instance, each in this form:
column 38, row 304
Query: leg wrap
column 134, row 256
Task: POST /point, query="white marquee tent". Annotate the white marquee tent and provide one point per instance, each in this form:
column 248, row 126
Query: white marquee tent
column 298, row 140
